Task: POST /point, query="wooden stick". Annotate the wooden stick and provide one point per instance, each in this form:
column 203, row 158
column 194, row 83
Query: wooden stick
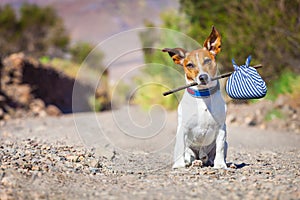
column 180, row 88
column 212, row 79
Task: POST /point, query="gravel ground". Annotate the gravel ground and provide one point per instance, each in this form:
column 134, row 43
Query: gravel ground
column 44, row 159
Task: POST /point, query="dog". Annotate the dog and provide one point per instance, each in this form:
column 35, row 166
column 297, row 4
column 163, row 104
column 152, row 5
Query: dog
column 201, row 131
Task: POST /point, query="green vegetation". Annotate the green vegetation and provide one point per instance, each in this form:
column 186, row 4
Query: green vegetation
column 287, row 83
column 81, row 50
column 37, row 31
column 150, row 93
column 268, row 30
column 95, row 104
column 274, row 114
column 120, row 93
column 67, row 66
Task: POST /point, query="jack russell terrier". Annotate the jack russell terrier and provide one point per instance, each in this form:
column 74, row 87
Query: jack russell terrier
column 201, row 131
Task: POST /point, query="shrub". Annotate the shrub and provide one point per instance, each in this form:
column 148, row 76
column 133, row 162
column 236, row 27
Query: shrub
column 37, row 31
column 287, row 83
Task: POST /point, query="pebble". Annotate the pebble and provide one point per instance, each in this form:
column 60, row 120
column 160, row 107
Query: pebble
column 9, row 182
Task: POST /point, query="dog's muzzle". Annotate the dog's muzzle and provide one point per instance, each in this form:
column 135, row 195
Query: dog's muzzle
column 203, row 78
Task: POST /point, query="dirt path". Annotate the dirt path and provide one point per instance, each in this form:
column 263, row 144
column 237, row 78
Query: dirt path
column 128, row 155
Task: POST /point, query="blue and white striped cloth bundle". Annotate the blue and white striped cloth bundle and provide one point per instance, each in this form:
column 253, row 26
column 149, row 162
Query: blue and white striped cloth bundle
column 245, row 82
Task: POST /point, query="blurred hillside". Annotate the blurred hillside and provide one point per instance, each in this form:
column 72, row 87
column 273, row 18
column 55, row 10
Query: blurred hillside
column 96, row 20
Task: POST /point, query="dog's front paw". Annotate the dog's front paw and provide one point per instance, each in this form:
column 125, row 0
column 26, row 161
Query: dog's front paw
column 179, row 164
column 220, row 165
column 197, row 163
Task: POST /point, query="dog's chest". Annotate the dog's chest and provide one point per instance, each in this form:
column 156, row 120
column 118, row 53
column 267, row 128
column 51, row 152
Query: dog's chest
column 201, row 119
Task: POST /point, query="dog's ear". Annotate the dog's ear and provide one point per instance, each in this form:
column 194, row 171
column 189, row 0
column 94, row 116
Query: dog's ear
column 177, row 54
column 213, row 42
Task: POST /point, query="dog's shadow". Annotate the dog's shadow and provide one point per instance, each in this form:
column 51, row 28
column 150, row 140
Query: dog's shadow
column 237, row 166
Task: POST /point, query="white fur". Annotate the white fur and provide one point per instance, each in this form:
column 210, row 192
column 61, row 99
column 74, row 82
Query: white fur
column 201, row 131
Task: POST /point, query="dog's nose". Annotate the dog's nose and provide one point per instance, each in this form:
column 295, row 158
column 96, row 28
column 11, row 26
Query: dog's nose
column 203, row 78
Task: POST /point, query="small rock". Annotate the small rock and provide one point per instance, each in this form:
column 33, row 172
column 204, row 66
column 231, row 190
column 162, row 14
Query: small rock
column 210, row 172
column 2, row 99
column 263, row 126
column 80, row 159
column 27, row 166
column 8, row 182
column 35, row 168
column 24, row 94
column 36, row 106
column 95, row 164
column 106, row 152
column 231, row 118
column 71, row 158
column 1, row 113
column 244, row 178
column 280, row 101
column 94, row 170
column 250, row 120
column 7, row 117
column 53, row 110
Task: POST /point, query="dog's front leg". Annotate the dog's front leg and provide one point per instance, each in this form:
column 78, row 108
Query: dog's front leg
column 221, row 149
column 179, row 161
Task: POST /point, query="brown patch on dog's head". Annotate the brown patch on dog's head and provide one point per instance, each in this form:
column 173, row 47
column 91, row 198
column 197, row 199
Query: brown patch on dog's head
column 177, row 54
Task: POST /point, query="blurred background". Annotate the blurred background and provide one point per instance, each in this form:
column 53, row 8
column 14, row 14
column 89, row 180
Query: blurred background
column 43, row 44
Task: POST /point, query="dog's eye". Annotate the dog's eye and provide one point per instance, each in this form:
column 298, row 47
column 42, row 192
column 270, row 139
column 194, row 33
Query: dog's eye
column 190, row 65
column 207, row 61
